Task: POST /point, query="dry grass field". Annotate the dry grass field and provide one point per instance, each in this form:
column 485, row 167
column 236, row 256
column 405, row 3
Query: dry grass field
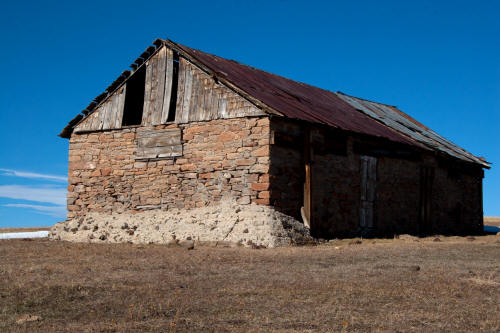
column 451, row 285
column 5, row 230
column 492, row 220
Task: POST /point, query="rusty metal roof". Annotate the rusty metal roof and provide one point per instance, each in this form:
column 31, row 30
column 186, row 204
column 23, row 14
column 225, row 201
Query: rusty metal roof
column 279, row 95
column 302, row 101
column 297, row 100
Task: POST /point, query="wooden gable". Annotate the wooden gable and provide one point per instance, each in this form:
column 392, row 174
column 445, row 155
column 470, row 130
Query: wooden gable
column 197, row 97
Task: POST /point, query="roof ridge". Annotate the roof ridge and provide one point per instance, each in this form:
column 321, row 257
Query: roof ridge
column 261, row 70
column 367, row 100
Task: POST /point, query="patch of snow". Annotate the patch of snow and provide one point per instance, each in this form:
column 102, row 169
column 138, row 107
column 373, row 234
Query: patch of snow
column 33, row 234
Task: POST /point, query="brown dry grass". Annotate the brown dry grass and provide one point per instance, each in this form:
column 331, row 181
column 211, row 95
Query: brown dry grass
column 4, row 230
column 492, row 220
column 376, row 286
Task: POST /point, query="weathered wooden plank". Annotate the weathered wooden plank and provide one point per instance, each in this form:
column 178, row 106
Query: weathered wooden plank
column 84, row 125
column 114, row 108
column 222, row 110
column 146, row 113
column 107, row 117
column 106, row 114
column 209, row 97
column 187, row 96
column 307, row 210
column 364, row 176
column 92, row 119
column 200, row 95
column 214, row 107
column 167, row 137
column 206, row 88
column 106, row 124
column 120, row 107
column 194, row 107
column 101, row 116
column 159, row 143
column 155, row 152
column 368, row 187
column 81, row 126
column 167, row 95
column 180, row 90
column 95, row 120
column 152, row 95
column 159, row 91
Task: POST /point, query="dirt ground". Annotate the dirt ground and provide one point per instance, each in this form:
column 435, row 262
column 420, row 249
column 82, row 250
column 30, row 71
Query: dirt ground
column 403, row 285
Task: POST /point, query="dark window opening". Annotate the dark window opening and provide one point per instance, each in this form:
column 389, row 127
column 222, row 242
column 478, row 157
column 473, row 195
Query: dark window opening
column 175, row 84
column 134, row 98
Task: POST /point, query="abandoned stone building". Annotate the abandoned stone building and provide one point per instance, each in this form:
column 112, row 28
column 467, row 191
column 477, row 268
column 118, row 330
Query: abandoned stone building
column 185, row 130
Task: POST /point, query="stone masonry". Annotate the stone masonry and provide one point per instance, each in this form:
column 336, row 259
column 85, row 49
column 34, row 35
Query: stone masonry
column 455, row 198
column 221, row 158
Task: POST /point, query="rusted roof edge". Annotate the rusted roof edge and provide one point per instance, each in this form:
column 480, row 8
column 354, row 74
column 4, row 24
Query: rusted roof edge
column 466, row 156
column 193, row 59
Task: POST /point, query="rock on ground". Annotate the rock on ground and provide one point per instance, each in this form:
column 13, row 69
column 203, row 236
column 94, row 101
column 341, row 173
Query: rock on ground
column 228, row 223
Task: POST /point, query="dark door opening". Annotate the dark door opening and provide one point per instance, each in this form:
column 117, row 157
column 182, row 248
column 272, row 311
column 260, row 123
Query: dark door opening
column 426, row 179
column 368, row 188
column 306, row 210
column 134, row 98
column 175, row 84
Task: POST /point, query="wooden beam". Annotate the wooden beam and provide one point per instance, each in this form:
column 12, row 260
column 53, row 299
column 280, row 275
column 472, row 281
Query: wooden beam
column 167, row 95
column 308, row 195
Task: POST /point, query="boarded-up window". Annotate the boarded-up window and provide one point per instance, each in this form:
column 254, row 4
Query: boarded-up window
column 426, row 180
column 154, row 143
column 134, row 98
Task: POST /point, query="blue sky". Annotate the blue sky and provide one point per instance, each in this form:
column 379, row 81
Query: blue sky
column 439, row 61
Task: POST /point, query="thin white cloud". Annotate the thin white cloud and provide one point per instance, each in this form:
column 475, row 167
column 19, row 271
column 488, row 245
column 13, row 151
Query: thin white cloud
column 56, row 196
column 32, row 175
column 56, row 211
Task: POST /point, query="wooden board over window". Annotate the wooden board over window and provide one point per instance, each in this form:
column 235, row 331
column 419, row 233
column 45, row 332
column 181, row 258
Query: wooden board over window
column 154, row 143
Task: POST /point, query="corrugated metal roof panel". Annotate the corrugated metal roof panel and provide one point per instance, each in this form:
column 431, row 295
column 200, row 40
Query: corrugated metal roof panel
column 401, row 122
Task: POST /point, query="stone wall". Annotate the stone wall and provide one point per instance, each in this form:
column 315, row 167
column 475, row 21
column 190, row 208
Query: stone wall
column 261, row 160
column 398, row 196
column 456, row 204
column 457, row 199
column 220, row 158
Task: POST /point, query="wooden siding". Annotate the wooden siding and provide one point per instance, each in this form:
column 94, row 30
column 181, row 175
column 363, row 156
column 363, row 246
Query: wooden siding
column 155, row 88
column 107, row 116
column 157, row 143
column 199, row 98
column 169, row 71
column 368, row 186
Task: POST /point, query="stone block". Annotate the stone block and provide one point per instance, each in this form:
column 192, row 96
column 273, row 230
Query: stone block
column 259, row 168
column 260, row 186
column 261, row 151
column 264, row 195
